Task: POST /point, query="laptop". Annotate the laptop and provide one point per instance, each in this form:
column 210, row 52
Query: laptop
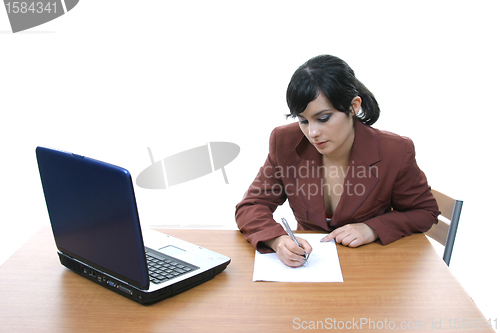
column 94, row 218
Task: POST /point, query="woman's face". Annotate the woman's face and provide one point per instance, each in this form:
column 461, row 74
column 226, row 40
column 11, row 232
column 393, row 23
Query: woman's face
column 330, row 131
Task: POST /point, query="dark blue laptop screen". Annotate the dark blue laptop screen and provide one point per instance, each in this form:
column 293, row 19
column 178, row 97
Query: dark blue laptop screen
column 93, row 213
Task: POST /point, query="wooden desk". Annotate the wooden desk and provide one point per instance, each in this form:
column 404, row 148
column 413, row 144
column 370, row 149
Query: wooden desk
column 404, row 281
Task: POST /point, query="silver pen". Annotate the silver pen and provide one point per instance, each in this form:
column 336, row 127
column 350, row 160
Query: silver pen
column 290, row 233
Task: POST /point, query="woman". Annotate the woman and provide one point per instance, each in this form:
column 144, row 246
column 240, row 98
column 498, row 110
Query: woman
column 339, row 174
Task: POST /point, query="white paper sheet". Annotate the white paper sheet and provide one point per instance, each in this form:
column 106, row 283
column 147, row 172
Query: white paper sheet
column 323, row 264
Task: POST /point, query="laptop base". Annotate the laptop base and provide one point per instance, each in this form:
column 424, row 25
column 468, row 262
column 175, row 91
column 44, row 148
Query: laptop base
column 140, row 296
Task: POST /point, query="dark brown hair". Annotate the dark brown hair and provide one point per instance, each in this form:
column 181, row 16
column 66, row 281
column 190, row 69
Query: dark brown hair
column 336, row 80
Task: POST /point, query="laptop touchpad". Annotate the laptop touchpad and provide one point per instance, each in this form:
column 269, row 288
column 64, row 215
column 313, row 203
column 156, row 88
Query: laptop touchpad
column 172, row 250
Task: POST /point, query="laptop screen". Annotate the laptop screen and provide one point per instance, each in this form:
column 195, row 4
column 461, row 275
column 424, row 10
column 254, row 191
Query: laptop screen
column 93, row 213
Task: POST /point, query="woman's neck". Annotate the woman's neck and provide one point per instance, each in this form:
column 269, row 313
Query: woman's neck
column 341, row 155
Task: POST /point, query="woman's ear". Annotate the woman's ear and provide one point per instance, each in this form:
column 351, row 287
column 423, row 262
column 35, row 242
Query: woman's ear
column 356, row 105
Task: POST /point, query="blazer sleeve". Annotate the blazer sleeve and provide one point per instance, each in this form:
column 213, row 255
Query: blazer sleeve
column 414, row 206
column 254, row 214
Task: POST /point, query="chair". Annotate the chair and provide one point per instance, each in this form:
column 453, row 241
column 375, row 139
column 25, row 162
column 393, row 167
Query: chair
column 445, row 230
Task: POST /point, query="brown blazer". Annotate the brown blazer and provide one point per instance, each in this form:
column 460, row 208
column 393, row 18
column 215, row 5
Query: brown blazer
column 383, row 187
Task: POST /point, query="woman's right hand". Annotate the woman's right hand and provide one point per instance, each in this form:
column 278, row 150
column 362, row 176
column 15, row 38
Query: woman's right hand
column 288, row 252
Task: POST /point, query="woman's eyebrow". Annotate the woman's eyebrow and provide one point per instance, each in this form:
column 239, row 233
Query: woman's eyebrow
column 320, row 112
column 316, row 114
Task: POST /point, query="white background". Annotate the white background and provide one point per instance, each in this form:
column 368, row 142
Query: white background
column 111, row 78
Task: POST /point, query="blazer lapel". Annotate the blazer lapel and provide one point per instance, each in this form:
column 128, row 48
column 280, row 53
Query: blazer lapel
column 361, row 175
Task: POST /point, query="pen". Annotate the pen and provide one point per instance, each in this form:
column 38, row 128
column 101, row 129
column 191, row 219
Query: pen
column 290, row 233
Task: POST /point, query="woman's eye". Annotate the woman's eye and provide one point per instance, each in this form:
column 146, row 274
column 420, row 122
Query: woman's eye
column 302, row 121
column 324, row 119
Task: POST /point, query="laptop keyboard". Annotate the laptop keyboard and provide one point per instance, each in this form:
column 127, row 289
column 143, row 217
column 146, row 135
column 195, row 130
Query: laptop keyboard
column 162, row 267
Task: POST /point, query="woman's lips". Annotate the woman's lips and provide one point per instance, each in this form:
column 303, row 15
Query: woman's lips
column 320, row 144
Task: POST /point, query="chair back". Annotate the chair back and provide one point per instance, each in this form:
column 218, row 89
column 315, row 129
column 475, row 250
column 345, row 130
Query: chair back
column 445, row 230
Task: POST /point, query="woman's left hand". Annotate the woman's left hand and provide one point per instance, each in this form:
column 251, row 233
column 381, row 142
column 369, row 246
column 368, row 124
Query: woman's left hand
column 352, row 235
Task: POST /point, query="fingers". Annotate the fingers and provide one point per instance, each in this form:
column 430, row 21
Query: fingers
column 346, row 236
column 337, row 235
column 305, row 245
column 349, row 240
column 332, row 235
column 352, row 235
column 290, row 254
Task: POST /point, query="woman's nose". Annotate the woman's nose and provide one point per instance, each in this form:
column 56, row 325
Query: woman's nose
column 313, row 131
